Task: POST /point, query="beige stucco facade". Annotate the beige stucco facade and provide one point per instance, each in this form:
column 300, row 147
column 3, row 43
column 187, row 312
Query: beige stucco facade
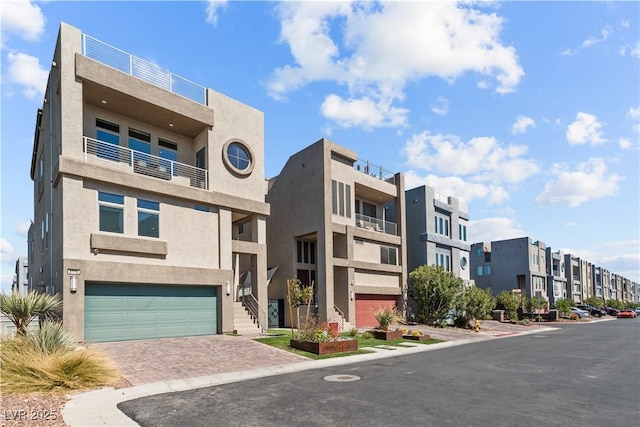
column 318, row 231
column 199, row 208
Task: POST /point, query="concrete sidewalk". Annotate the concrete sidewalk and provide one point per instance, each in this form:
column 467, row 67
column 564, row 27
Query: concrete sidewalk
column 99, row 407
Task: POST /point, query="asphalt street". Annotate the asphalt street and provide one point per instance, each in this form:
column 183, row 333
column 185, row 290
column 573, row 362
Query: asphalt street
column 586, row 375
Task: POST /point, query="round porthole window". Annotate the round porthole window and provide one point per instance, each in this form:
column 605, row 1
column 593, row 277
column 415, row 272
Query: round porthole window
column 238, row 158
column 463, row 262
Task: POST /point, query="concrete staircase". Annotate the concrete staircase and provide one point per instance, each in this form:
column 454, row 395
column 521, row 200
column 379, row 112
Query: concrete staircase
column 243, row 322
column 344, row 325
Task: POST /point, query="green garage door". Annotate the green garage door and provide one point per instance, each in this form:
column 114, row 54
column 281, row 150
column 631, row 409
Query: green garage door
column 117, row 312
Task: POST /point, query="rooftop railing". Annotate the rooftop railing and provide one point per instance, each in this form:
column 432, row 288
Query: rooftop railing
column 374, row 171
column 145, row 164
column 141, row 69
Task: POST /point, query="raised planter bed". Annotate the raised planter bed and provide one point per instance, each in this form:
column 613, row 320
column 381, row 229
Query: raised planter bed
column 387, row 335
column 417, row 338
column 342, row 346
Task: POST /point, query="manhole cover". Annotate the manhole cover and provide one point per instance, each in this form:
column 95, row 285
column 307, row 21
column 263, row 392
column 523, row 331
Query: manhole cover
column 341, row 378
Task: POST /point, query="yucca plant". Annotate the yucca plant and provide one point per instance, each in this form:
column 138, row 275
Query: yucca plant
column 387, row 317
column 21, row 310
column 51, row 337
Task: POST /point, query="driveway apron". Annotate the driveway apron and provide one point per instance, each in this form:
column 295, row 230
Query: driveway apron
column 148, row 361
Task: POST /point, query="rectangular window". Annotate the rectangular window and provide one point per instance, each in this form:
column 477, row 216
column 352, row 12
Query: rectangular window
column 306, row 252
column 148, row 218
column 140, row 143
column 341, row 199
column 111, row 207
column 388, row 255
column 241, row 228
column 201, row 208
column 370, row 210
column 168, row 152
column 109, row 136
column 347, row 196
column 334, row 196
column 446, row 227
column 479, row 270
column 487, row 270
column 462, row 232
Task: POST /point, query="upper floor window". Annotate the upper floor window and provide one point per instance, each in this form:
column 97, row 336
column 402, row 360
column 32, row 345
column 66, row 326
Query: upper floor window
column 305, row 252
column 462, row 232
column 442, row 224
column 238, row 157
column 148, row 218
column 341, row 198
column 108, row 133
column 111, row 207
column 388, row 255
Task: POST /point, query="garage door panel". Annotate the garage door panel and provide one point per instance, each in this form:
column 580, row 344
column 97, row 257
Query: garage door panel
column 116, row 312
column 367, row 304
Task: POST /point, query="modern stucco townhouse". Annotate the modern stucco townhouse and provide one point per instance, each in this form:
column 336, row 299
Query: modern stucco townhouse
column 511, row 264
column 556, row 276
column 330, row 226
column 437, row 226
column 149, row 197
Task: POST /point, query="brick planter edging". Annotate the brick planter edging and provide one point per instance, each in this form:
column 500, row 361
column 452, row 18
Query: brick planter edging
column 320, row 348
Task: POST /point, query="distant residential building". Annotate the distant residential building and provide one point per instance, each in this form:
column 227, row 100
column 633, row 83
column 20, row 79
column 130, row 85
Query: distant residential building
column 597, row 281
column 21, row 276
column 510, row 264
column 437, row 231
column 574, row 278
column 330, row 226
column 556, row 276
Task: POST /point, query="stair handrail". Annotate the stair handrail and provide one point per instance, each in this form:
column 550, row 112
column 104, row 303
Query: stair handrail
column 341, row 313
column 256, row 310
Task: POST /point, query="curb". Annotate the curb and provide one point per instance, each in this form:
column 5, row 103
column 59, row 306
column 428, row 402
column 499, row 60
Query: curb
column 99, row 407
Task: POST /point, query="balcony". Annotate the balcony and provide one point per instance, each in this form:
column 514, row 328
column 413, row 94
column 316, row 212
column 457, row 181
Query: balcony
column 144, row 164
column 141, row 69
column 376, row 224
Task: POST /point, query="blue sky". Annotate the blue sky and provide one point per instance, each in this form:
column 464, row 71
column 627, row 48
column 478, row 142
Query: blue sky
column 527, row 111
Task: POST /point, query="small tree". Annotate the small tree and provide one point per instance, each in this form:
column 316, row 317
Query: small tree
column 474, row 304
column 22, row 310
column 511, row 302
column 436, row 292
column 563, row 305
column 535, row 303
column 594, row 301
column 298, row 295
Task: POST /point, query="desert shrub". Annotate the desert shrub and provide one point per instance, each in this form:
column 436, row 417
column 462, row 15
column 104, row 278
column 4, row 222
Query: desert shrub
column 51, row 337
column 436, row 292
column 511, row 303
column 353, row 332
column 594, row 301
column 387, row 317
column 23, row 309
column 563, row 305
column 416, row 333
column 474, row 304
column 312, row 330
column 367, row 335
column 526, row 321
column 618, row 305
column 26, row 368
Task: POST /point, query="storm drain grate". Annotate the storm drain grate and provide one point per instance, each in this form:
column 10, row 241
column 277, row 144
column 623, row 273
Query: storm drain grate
column 341, row 378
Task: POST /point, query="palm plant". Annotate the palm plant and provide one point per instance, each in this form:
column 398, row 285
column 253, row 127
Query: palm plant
column 21, row 310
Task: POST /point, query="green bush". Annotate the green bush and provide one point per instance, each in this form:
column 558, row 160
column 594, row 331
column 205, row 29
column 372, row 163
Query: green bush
column 22, row 310
column 474, row 304
column 618, row 305
column 387, row 317
column 594, row 301
column 511, row 302
column 436, row 292
column 563, row 305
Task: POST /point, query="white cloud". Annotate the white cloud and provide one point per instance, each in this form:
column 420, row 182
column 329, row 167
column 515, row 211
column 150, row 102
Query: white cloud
column 482, row 159
column 585, row 129
column 457, row 187
column 375, row 49
column 624, row 24
column 6, row 251
column 631, row 244
column 634, row 115
column 589, row 181
column 440, row 106
column 492, row 229
column 25, row 70
column 23, row 18
column 624, row 143
column 212, row 10
column 604, row 35
column 635, row 50
column 521, row 124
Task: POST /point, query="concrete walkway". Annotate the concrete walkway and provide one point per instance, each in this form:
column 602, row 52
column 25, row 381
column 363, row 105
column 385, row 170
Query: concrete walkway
column 99, row 407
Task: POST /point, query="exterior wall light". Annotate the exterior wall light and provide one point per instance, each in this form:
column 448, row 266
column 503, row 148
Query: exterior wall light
column 228, row 288
column 351, row 295
column 73, row 284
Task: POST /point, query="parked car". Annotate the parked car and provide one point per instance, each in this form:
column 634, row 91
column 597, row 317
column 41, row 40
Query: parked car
column 638, row 311
column 580, row 313
column 627, row 312
column 595, row 312
column 610, row 310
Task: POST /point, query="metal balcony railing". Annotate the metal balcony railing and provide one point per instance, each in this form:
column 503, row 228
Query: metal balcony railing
column 141, row 69
column 145, row 164
column 374, row 171
column 376, row 224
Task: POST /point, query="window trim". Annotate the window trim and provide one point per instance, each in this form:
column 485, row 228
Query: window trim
column 230, row 166
column 148, row 207
column 113, row 204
